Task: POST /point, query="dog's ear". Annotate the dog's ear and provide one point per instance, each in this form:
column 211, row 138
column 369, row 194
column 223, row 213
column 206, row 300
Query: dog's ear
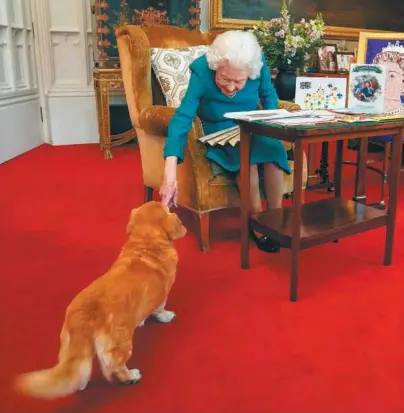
column 174, row 227
column 131, row 221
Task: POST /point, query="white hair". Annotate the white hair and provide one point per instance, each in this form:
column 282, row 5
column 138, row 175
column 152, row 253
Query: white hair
column 237, row 48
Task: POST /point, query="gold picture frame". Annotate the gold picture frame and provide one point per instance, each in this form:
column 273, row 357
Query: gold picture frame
column 343, row 65
column 218, row 22
column 366, row 36
column 327, row 66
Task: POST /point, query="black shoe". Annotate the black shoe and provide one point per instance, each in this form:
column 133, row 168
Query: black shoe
column 265, row 244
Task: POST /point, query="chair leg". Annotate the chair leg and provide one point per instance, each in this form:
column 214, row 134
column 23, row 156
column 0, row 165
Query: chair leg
column 148, row 194
column 385, row 169
column 204, row 232
column 303, row 196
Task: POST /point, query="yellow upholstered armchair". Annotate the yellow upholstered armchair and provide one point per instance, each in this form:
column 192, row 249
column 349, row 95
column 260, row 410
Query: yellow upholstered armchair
column 200, row 189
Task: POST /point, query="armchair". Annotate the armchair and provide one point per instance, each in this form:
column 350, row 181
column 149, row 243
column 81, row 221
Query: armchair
column 200, row 188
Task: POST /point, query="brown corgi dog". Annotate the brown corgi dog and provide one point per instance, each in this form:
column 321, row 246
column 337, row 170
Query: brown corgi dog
column 101, row 320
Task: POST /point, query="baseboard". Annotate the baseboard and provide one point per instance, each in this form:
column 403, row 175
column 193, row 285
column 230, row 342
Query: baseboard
column 73, row 120
column 20, row 128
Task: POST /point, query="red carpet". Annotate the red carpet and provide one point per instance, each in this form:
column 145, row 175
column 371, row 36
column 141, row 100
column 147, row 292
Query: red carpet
column 238, row 345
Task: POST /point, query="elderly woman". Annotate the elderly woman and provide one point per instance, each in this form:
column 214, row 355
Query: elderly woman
column 233, row 76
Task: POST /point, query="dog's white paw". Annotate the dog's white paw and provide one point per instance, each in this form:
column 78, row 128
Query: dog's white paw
column 165, row 316
column 141, row 324
column 136, row 375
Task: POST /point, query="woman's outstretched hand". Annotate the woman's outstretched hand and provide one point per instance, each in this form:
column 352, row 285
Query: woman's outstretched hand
column 169, row 193
column 169, row 189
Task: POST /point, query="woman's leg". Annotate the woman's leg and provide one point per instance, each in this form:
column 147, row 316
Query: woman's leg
column 273, row 183
column 255, row 195
column 263, row 243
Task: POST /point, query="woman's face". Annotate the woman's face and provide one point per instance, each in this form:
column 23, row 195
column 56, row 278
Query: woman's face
column 395, row 78
column 230, row 79
column 392, row 95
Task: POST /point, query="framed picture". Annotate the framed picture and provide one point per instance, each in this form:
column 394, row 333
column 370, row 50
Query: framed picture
column 367, row 88
column 386, row 49
column 345, row 19
column 315, row 93
column 326, row 56
column 344, row 61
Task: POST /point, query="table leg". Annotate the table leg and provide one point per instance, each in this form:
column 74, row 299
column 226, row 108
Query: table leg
column 104, row 118
column 99, row 111
column 311, row 164
column 338, row 168
column 245, row 141
column 385, row 177
column 296, row 218
column 393, row 195
column 360, row 176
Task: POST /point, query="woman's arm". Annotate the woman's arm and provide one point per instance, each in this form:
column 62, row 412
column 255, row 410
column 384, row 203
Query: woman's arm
column 268, row 96
column 181, row 122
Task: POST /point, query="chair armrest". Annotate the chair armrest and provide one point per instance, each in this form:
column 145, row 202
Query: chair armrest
column 155, row 119
column 289, row 106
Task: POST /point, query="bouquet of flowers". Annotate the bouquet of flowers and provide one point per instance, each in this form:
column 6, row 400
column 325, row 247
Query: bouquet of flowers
column 287, row 45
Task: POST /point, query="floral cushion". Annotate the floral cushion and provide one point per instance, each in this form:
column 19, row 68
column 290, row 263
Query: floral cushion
column 171, row 67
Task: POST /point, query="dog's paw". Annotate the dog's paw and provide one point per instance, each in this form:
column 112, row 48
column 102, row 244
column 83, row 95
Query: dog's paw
column 165, row 316
column 136, row 377
column 141, row 324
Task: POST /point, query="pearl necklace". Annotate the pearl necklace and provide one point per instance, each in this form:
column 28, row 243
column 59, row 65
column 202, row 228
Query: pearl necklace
column 232, row 95
column 397, row 111
column 227, row 95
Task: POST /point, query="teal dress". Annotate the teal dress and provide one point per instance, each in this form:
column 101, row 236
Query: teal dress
column 205, row 100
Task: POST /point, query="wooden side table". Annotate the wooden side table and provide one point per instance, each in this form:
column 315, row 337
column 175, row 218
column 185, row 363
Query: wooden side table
column 304, row 226
column 104, row 81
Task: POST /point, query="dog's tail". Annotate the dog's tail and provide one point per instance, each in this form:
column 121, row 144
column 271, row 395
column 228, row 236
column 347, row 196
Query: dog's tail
column 72, row 373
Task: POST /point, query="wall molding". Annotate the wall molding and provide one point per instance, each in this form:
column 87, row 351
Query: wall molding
column 71, row 92
column 15, row 99
column 64, row 30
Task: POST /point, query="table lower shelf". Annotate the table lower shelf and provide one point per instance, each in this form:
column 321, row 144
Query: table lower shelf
column 322, row 221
